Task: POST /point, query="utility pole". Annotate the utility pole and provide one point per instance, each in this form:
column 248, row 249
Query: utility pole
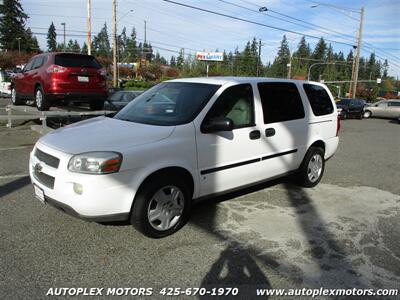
column 259, row 58
column 89, row 42
column 19, row 45
column 65, row 44
column 145, row 31
column 290, row 66
column 357, row 63
column 114, row 27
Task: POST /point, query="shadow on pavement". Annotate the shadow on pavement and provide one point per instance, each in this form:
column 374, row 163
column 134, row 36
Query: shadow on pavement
column 14, row 185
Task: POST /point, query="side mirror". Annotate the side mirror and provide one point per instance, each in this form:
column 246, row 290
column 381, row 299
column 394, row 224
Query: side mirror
column 217, row 124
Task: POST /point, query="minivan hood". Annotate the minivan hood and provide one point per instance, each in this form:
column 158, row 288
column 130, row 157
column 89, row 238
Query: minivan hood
column 104, row 134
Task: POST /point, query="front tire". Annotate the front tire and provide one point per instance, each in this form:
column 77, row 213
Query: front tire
column 367, row 114
column 312, row 168
column 161, row 207
column 15, row 99
column 40, row 100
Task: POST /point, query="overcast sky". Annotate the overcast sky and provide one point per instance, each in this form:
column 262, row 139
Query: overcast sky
column 173, row 27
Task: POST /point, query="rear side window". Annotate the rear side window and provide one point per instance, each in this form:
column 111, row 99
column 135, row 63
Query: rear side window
column 38, row 62
column 77, row 61
column 281, row 101
column 319, row 99
column 394, row 103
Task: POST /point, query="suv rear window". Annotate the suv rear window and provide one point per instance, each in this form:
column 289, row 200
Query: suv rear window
column 78, row 61
column 319, row 99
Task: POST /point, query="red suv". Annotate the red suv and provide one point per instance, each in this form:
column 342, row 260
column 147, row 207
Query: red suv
column 51, row 78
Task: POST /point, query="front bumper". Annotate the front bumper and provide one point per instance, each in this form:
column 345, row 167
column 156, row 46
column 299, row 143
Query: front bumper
column 104, row 197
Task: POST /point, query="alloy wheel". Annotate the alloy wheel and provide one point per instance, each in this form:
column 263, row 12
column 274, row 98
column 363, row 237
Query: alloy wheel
column 314, row 169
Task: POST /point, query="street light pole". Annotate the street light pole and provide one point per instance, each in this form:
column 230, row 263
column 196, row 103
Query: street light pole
column 314, row 64
column 89, row 46
column 65, row 46
column 114, row 20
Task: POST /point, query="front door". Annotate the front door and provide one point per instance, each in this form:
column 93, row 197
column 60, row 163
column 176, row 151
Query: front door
column 229, row 159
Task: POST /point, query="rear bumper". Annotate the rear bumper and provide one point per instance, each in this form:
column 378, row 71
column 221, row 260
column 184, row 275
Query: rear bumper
column 86, row 97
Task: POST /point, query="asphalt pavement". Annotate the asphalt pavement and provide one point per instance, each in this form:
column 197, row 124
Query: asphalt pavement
column 344, row 233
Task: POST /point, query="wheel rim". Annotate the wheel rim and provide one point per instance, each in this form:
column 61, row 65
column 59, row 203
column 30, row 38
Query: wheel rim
column 13, row 96
column 39, row 98
column 314, row 169
column 166, row 208
column 367, row 114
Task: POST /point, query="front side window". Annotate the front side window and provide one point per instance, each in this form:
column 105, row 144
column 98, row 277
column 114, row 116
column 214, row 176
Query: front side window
column 168, row 103
column 382, row 104
column 319, row 99
column 28, row 66
column 235, row 103
column 281, row 101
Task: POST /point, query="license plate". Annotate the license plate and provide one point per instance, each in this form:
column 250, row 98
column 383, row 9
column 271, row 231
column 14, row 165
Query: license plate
column 83, row 79
column 39, row 194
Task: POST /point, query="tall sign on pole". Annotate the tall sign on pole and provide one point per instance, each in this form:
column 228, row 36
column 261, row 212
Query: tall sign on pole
column 89, row 42
column 209, row 56
column 114, row 27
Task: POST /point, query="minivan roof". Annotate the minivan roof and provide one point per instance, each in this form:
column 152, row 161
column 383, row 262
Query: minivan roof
column 221, row 80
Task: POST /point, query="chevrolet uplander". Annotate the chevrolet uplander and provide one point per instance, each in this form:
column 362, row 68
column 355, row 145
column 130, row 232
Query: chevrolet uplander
column 185, row 139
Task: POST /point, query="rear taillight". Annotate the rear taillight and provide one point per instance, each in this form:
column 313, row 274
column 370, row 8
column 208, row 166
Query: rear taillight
column 338, row 126
column 102, row 72
column 56, row 69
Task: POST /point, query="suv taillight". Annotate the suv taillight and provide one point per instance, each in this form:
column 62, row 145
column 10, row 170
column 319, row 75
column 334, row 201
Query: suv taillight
column 56, row 69
column 102, row 72
column 338, row 126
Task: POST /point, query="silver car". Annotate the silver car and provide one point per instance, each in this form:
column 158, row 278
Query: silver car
column 383, row 109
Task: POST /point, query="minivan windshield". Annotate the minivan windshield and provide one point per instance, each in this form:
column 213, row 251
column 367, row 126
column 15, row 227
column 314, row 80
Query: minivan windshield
column 168, row 103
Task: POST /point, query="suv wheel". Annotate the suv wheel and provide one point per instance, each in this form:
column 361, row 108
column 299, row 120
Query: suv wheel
column 97, row 105
column 161, row 207
column 14, row 97
column 367, row 114
column 40, row 100
column 360, row 116
column 312, row 167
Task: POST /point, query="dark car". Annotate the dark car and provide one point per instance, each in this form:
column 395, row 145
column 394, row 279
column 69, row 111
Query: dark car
column 120, row 99
column 351, row 108
column 58, row 78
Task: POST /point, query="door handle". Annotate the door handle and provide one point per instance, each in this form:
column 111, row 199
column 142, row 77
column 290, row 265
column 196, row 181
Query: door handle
column 255, row 135
column 269, row 132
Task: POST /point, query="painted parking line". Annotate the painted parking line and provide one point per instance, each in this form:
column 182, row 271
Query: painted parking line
column 11, row 176
column 16, row 148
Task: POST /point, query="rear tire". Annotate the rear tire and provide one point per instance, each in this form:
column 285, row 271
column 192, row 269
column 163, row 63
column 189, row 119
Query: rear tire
column 97, row 105
column 40, row 99
column 161, row 207
column 312, row 168
column 360, row 116
column 15, row 99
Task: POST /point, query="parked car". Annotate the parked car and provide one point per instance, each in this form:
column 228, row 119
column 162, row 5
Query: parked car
column 120, row 99
column 53, row 78
column 206, row 136
column 5, row 84
column 384, row 109
column 350, row 108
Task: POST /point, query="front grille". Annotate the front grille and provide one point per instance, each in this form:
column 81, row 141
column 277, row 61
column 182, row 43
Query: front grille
column 47, row 158
column 43, row 178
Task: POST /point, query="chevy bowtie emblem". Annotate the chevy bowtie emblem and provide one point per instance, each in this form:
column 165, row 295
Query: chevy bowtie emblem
column 38, row 168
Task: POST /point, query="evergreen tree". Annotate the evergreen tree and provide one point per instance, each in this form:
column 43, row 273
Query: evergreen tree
column 52, row 38
column 84, row 49
column 385, row 69
column 300, row 60
column 319, row 53
column 172, row 62
column 30, row 42
column 76, row 48
column 101, row 43
column 279, row 67
column 180, row 59
column 132, row 51
column 12, row 26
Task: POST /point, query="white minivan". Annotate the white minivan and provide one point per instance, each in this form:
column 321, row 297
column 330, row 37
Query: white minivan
column 182, row 140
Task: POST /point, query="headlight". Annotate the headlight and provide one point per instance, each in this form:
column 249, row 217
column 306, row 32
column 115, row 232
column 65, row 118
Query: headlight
column 95, row 162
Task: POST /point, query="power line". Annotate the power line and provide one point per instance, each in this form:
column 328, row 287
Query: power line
column 254, row 22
